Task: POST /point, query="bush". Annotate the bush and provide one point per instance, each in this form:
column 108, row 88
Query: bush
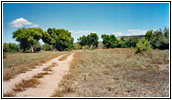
column 143, row 45
column 46, row 47
column 37, row 47
column 85, row 47
column 76, row 46
column 10, row 47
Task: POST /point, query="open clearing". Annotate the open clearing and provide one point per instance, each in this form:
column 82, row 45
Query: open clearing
column 115, row 72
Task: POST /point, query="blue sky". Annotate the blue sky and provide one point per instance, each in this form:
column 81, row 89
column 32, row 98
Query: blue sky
column 82, row 18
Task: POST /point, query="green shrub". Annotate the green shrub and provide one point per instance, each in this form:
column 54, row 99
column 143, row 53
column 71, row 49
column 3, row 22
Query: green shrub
column 76, row 46
column 85, row 47
column 143, row 45
column 37, row 47
column 10, row 47
column 46, row 47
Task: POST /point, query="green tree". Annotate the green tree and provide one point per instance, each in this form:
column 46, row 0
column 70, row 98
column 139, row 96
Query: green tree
column 149, row 35
column 93, row 39
column 131, row 43
column 61, row 39
column 110, row 41
column 28, row 37
column 90, row 40
column 83, row 40
column 160, row 39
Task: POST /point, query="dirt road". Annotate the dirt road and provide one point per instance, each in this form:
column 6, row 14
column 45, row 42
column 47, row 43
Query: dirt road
column 48, row 83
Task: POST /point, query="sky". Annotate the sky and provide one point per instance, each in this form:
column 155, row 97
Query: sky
column 120, row 19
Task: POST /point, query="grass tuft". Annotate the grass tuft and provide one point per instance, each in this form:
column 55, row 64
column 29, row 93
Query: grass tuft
column 24, row 84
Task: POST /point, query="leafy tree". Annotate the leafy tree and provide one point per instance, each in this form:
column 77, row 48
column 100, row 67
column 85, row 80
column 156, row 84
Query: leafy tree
column 160, row 39
column 28, row 37
column 90, row 40
column 149, row 35
column 93, row 39
column 110, row 41
column 131, row 42
column 83, row 40
column 143, row 45
column 61, row 39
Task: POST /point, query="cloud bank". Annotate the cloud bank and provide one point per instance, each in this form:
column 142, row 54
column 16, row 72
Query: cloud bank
column 82, row 32
column 21, row 22
column 136, row 32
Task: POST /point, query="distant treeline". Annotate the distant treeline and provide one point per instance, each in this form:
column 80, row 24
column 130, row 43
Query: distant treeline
column 61, row 39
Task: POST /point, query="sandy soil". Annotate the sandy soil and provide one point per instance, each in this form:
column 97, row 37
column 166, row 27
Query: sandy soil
column 48, row 83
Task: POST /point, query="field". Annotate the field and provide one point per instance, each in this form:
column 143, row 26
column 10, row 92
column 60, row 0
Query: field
column 115, row 72
column 16, row 63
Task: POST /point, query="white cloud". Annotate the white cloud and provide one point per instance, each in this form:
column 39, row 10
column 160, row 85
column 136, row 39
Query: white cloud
column 118, row 33
column 136, row 32
column 34, row 25
column 21, row 22
column 83, row 32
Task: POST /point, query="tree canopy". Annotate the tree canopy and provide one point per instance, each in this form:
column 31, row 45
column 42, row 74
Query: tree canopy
column 28, row 37
column 90, row 40
column 61, row 39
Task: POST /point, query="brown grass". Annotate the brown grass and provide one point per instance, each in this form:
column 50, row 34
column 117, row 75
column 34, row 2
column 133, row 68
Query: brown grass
column 117, row 72
column 40, row 75
column 24, row 84
column 33, row 82
column 16, row 63
column 9, row 94
column 64, row 57
column 49, row 68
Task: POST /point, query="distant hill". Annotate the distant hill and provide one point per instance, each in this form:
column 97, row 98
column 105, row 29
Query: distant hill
column 133, row 36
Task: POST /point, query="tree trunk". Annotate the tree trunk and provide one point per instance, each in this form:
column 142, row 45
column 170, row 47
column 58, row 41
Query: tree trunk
column 24, row 49
column 32, row 50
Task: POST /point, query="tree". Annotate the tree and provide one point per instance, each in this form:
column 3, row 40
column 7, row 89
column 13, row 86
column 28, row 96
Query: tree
column 83, row 40
column 93, row 39
column 160, row 39
column 28, row 37
column 149, row 35
column 110, row 41
column 90, row 40
column 131, row 42
column 61, row 39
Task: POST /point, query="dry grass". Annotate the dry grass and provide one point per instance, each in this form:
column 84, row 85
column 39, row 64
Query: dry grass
column 33, row 82
column 41, row 75
column 9, row 94
column 49, row 68
column 24, row 84
column 16, row 63
column 117, row 73
column 67, row 85
column 64, row 57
